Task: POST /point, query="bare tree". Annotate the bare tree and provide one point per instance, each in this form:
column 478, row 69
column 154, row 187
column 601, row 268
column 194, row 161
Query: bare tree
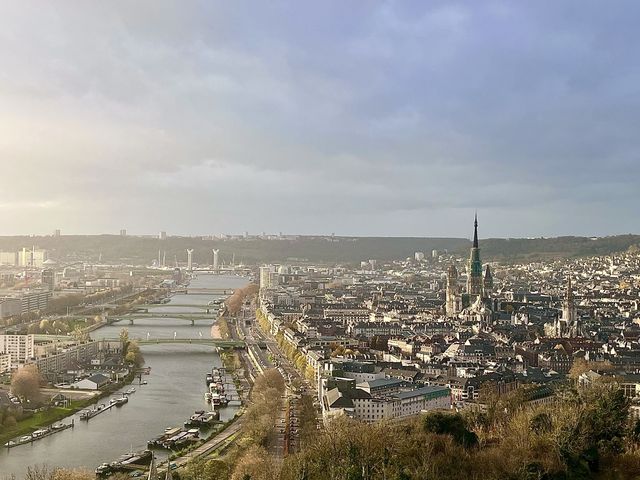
column 25, row 383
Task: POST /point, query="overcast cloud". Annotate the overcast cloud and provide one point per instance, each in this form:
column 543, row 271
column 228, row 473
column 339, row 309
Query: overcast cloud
column 370, row 118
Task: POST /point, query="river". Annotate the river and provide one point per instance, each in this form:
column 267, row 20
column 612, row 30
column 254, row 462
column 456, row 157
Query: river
column 175, row 389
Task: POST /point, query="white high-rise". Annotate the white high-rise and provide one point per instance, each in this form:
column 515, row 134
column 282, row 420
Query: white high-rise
column 266, row 275
column 32, row 257
column 20, row 348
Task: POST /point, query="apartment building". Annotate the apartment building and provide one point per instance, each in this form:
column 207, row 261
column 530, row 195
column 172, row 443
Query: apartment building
column 20, row 348
column 61, row 361
column 362, row 405
column 32, row 257
column 5, row 363
column 34, row 300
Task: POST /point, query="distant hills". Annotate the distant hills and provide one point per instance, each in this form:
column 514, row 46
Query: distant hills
column 558, row 247
column 136, row 249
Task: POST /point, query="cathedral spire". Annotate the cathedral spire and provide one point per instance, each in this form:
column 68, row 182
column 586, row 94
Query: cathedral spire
column 475, row 231
column 569, row 294
column 474, row 278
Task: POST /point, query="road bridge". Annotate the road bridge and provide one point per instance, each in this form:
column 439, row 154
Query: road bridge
column 192, row 317
column 203, row 291
column 222, row 270
column 216, row 342
column 184, row 305
column 150, row 307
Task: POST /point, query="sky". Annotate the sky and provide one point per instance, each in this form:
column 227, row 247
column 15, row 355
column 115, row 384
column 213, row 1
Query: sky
column 386, row 118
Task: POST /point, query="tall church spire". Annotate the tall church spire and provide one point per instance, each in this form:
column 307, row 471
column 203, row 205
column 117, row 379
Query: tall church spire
column 569, row 295
column 474, row 278
column 569, row 324
column 475, row 231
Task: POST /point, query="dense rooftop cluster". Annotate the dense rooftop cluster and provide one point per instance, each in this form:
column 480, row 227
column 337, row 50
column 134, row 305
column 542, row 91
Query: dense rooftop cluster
column 389, row 340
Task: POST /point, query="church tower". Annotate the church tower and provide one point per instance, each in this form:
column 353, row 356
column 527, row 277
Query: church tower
column 487, row 282
column 568, row 325
column 454, row 300
column 569, row 312
column 474, row 278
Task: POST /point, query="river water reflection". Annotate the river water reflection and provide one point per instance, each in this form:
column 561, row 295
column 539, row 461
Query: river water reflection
column 175, row 389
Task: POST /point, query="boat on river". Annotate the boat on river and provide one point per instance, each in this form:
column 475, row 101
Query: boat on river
column 126, row 463
column 219, row 400
column 168, row 433
column 38, row 434
column 120, row 401
column 202, row 419
column 89, row 414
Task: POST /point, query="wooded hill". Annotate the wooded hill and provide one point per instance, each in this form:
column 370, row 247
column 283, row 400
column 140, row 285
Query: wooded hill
column 142, row 250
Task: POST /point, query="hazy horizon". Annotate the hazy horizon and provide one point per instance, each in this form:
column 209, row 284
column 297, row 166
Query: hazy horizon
column 291, row 234
column 395, row 119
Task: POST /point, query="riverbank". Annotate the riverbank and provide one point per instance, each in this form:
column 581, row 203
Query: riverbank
column 55, row 414
column 52, row 415
column 173, row 392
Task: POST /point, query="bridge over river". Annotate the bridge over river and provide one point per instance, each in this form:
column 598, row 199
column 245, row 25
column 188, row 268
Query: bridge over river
column 191, row 317
column 202, row 291
column 159, row 307
column 216, row 342
column 179, row 358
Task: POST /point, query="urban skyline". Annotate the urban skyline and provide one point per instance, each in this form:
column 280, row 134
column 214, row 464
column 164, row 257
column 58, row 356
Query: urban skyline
column 319, row 240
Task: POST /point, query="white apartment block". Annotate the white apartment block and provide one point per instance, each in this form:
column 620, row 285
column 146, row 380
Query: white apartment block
column 5, row 363
column 32, row 257
column 368, row 408
column 20, row 348
column 266, row 276
column 9, row 258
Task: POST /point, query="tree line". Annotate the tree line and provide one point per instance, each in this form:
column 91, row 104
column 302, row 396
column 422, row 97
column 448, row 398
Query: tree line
column 234, row 302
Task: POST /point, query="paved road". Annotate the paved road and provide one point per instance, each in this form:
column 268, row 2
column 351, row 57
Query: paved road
column 212, row 444
column 287, row 427
column 73, row 312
